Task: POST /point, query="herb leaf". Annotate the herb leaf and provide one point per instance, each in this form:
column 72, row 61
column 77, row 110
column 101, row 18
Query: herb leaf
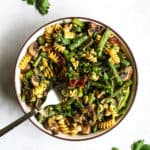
column 41, row 5
column 145, row 147
column 115, row 148
column 137, row 145
column 30, row 2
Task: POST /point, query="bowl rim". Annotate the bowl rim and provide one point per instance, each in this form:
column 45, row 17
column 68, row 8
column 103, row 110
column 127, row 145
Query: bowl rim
column 129, row 50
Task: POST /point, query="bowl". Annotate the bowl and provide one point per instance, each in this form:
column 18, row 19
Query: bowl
column 26, row 108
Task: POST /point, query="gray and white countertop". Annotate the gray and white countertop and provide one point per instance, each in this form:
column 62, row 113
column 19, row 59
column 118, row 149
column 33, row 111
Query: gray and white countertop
column 130, row 18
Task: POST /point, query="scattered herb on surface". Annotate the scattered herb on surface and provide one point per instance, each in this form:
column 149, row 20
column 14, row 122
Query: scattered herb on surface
column 41, row 5
column 138, row 145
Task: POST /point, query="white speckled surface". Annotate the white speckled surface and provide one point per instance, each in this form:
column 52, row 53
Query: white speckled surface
column 130, row 18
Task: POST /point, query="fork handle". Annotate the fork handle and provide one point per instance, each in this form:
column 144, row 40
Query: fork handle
column 16, row 123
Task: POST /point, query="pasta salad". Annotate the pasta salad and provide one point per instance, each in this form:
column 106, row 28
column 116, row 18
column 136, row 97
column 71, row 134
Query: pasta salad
column 85, row 64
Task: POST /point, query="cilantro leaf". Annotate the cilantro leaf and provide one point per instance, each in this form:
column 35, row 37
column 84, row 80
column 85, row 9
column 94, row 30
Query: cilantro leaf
column 137, row 145
column 30, row 2
column 115, row 148
column 42, row 6
column 145, row 147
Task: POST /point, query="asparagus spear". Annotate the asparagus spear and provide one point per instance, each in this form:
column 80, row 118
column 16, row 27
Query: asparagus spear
column 78, row 42
column 102, row 42
column 118, row 78
column 78, row 22
column 123, row 102
column 37, row 61
column 126, row 84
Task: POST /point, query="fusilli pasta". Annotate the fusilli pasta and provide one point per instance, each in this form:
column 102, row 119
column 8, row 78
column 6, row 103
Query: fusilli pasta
column 25, row 60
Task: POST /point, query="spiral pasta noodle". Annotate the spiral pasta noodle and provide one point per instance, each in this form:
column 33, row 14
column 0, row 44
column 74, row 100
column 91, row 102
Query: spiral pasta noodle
column 48, row 72
column 25, row 60
column 73, row 93
column 57, row 27
column 107, row 124
column 91, row 56
column 53, row 56
column 94, row 76
column 114, row 56
column 39, row 90
column 67, row 33
column 75, row 129
column 59, row 48
column 75, row 63
column 45, row 62
column 62, row 124
column 48, row 33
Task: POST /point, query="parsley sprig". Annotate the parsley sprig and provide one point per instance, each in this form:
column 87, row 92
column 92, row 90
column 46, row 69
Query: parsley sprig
column 41, row 5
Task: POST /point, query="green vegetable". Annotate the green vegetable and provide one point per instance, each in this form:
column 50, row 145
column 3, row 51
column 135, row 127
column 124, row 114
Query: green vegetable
column 125, row 62
column 102, row 42
column 77, row 29
column 115, row 148
column 37, row 61
column 57, row 108
column 118, row 78
column 23, row 98
column 41, row 5
column 29, row 74
column 66, row 54
column 91, row 98
column 138, row 145
column 126, row 84
column 94, row 128
column 80, row 92
column 69, row 102
column 41, row 40
column 78, row 22
column 145, row 147
column 40, row 117
column 50, row 111
column 87, row 44
column 78, row 42
column 65, row 41
column 100, row 85
column 123, row 102
column 30, row 2
column 43, row 54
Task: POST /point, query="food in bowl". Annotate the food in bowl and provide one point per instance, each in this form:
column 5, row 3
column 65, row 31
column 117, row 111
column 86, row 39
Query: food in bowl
column 86, row 64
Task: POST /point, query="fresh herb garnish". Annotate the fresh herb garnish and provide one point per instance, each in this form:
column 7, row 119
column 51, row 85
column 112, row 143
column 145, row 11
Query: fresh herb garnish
column 41, row 5
column 138, row 145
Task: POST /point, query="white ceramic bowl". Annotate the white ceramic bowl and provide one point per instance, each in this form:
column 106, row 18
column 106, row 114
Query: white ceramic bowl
column 26, row 109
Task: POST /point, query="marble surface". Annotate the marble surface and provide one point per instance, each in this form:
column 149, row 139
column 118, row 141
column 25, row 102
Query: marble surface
column 130, row 18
